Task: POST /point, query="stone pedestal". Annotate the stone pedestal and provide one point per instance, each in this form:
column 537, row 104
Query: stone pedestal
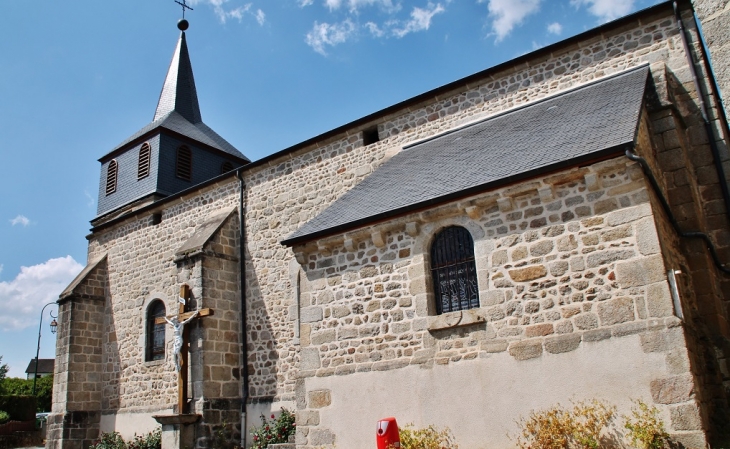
column 178, row 431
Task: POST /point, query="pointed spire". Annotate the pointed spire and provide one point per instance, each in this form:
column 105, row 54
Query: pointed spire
column 178, row 92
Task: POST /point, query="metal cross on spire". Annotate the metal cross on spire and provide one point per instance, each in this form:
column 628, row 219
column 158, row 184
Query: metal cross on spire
column 184, row 7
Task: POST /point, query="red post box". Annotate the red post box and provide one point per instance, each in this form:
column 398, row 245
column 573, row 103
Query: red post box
column 387, row 434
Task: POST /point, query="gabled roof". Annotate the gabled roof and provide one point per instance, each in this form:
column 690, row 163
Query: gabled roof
column 584, row 123
column 203, row 233
column 178, row 109
column 44, row 366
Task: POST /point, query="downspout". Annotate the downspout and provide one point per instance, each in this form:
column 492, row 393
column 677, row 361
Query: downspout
column 244, row 320
column 668, row 211
column 703, row 110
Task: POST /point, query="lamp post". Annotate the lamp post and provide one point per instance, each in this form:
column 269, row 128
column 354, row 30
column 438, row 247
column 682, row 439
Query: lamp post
column 54, row 324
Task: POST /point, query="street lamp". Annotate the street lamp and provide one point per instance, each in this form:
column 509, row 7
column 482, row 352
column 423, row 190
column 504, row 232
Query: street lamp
column 54, row 325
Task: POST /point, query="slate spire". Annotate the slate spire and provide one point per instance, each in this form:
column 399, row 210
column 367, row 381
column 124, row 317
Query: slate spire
column 178, row 92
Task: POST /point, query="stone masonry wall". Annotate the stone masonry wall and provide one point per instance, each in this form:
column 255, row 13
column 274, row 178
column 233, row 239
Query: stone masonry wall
column 569, row 259
column 284, row 194
column 141, row 268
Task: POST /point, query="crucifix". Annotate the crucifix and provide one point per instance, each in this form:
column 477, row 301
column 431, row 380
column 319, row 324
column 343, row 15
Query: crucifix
column 181, row 343
column 184, row 6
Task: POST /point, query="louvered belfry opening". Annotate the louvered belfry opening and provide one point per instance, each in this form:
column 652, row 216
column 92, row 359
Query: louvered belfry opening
column 226, row 167
column 143, row 166
column 453, row 270
column 184, row 166
column 111, row 177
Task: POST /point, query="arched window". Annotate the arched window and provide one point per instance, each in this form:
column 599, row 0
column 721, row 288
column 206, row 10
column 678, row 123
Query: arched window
column 155, row 332
column 143, row 166
column 184, row 163
column 453, row 270
column 111, row 177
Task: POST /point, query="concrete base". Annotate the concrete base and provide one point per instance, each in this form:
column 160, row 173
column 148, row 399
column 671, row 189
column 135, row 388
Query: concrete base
column 178, row 431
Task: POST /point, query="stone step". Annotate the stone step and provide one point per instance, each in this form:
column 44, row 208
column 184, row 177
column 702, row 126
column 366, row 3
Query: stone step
column 283, row 446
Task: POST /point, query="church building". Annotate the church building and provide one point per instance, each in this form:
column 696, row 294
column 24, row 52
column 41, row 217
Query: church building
column 551, row 229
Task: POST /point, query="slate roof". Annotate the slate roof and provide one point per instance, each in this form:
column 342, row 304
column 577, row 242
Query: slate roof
column 581, row 124
column 203, row 233
column 44, row 366
column 178, row 109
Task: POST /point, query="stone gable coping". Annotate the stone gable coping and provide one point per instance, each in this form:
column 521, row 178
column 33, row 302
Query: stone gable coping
column 194, row 245
column 73, row 290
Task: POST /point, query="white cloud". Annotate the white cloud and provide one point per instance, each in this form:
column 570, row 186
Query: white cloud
column 606, row 10
column 20, row 220
column 354, row 5
column 22, row 299
column 89, row 198
column 303, row 3
column 420, row 19
column 260, row 17
column 507, row 14
column 555, row 28
column 374, row 29
column 325, row 34
column 333, row 4
column 1, row 267
column 237, row 13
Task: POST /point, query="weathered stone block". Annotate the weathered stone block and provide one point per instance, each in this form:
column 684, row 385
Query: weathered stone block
column 686, row 417
column 672, row 390
column 562, row 343
column 321, row 437
column 525, row 350
column 606, row 257
column 646, row 237
column 528, row 273
column 659, row 300
column 493, row 346
column 639, row 272
column 586, row 321
column 311, row 314
column 307, row 418
column 539, row 330
column 310, row 359
column 614, row 311
column 319, row 398
column 628, row 214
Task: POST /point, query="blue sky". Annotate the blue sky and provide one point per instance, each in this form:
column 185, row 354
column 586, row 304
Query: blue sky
column 77, row 78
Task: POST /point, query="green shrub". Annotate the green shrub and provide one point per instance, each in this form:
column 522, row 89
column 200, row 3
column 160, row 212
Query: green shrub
column 276, row 431
column 152, row 440
column 645, row 427
column 109, row 440
column 4, row 417
column 20, row 408
column 426, row 438
column 561, row 428
column 113, row 440
column 15, row 386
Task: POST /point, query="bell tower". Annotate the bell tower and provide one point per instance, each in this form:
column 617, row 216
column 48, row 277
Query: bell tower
column 174, row 152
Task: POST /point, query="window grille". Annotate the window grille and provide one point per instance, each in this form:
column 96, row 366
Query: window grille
column 155, row 332
column 453, row 271
column 184, row 167
column 143, row 167
column 111, row 177
column 226, row 167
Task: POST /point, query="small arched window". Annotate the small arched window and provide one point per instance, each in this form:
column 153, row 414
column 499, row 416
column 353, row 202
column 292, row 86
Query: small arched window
column 155, row 333
column 112, row 172
column 143, row 165
column 184, row 163
column 226, row 167
column 453, row 270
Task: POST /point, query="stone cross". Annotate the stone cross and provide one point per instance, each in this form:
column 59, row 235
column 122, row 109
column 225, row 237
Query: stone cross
column 182, row 343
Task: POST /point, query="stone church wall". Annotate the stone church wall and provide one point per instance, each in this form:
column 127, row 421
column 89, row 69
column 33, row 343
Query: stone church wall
column 572, row 282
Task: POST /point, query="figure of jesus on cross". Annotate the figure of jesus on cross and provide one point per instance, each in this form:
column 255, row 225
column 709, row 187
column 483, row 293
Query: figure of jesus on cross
column 181, row 342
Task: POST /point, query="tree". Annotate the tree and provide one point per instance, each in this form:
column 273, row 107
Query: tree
column 16, row 386
column 3, row 369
